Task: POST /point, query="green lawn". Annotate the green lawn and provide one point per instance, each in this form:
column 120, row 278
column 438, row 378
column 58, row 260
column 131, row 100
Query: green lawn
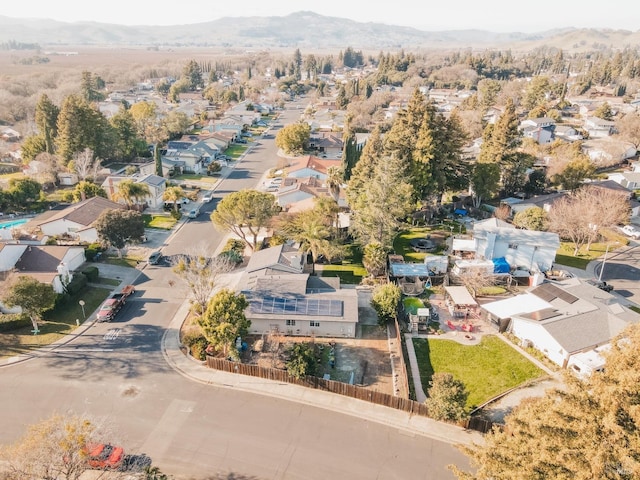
column 57, row 323
column 402, row 242
column 565, row 256
column 487, row 369
column 412, row 304
column 163, row 221
column 350, row 270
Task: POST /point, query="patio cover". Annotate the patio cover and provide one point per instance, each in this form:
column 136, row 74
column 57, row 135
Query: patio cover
column 409, row 270
column 460, row 295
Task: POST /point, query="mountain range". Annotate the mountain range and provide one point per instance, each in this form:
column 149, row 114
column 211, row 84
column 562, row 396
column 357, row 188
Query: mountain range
column 305, row 30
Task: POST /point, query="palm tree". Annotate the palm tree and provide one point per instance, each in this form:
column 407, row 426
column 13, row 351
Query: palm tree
column 312, row 231
column 173, row 194
column 335, row 179
column 132, row 192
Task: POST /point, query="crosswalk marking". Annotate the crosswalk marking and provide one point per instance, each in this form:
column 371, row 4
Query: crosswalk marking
column 112, row 334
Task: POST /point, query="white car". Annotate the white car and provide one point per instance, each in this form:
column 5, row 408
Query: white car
column 207, row 197
column 631, row 231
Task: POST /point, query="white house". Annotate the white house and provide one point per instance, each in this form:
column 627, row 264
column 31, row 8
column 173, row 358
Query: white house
column 76, row 220
column 50, row 264
column 598, row 128
column 284, row 299
column 566, row 319
column 521, row 248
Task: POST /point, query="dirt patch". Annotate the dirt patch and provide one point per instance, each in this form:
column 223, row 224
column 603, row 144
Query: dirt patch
column 361, row 361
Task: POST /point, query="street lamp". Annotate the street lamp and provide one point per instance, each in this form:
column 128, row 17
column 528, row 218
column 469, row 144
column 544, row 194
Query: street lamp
column 604, row 260
column 81, row 302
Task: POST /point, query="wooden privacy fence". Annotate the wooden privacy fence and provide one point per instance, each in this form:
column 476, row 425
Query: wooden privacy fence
column 353, row 391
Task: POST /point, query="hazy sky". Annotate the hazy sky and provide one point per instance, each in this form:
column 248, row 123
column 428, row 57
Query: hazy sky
column 492, row 15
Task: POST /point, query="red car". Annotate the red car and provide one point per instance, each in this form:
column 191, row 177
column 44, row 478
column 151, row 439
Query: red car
column 104, row 456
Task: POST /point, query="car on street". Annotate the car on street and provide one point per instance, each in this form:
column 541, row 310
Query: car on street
column 602, row 285
column 155, row 258
column 631, row 231
column 104, row 456
column 194, row 212
column 207, row 197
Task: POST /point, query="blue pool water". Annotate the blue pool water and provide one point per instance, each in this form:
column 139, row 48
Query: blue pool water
column 12, row 223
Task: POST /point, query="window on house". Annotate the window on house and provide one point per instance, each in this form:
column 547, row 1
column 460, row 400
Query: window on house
column 291, row 323
column 313, row 323
column 513, row 246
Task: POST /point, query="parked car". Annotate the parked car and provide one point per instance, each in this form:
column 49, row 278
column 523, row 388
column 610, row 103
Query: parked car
column 155, row 258
column 631, row 231
column 193, row 213
column 207, row 197
column 104, row 456
column 602, row 285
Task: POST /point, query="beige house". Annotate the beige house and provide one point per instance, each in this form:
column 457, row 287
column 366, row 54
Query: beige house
column 284, row 299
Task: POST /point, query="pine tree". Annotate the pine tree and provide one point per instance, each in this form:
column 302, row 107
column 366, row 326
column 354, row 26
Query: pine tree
column 46, row 120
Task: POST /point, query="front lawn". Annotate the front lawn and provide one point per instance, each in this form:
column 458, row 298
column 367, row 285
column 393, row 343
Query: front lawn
column 486, row 369
column 196, row 177
column 56, row 324
column 565, row 256
column 162, row 221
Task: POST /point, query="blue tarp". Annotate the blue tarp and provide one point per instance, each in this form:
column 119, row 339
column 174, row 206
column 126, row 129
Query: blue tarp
column 500, row 265
column 460, row 211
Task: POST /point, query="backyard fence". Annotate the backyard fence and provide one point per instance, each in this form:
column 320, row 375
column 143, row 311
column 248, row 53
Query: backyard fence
column 403, row 366
column 345, row 389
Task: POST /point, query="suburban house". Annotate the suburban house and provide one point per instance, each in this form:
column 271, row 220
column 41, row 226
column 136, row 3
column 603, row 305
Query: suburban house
column 326, row 143
column 569, row 321
column 567, row 133
column 76, row 220
column 607, row 151
column 50, row 264
column 530, row 249
column 598, row 128
column 310, row 166
column 539, row 129
column 154, row 183
column 629, row 180
column 285, row 299
column 544, row 202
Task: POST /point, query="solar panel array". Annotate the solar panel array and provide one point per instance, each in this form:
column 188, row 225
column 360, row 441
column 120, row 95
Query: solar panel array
column 549, row 292
column 297, row 306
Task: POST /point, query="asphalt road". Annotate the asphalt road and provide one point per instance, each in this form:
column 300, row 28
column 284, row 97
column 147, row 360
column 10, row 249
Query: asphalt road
column 115, row 372
column 621, row 270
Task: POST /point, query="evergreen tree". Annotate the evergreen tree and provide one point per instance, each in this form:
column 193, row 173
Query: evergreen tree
column 46, row 121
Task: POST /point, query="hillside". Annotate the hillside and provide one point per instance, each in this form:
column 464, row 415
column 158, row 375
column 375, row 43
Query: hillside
column 305, row 30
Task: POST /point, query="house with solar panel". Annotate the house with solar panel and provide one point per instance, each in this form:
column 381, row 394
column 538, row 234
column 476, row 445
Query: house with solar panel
column 285, row 298
column 570, row 322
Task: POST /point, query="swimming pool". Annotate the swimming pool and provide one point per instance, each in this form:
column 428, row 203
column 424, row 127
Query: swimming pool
column 13, row 223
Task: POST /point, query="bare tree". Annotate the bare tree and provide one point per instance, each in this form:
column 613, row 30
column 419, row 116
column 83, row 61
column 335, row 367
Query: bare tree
column 85, row 165
column 581, row 217
column 201, row 271
column 628, row 128
column 55, row 448
column 475, row 280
